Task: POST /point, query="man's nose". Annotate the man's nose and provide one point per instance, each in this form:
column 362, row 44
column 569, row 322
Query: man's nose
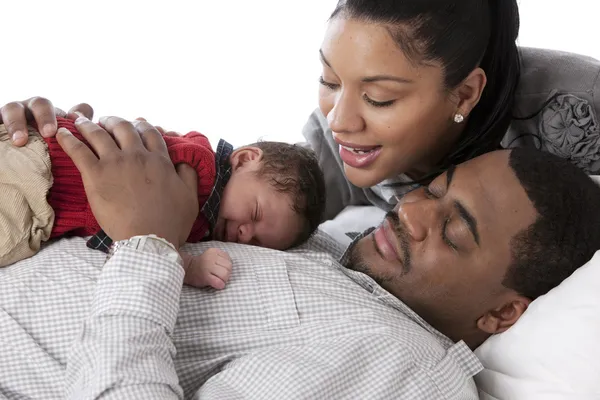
column 419, row 217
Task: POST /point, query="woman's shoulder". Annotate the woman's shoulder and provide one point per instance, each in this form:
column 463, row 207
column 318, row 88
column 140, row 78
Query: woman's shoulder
column 390, row 190
column 316, row 131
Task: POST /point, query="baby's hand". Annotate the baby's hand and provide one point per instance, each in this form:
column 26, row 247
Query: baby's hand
column 211, row 268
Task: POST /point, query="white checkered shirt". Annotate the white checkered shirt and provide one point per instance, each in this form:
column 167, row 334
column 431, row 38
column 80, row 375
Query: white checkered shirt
column 293, row 325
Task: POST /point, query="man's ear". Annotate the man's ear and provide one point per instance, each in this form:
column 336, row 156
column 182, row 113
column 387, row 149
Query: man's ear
column 245, row 157
column 469, row 91
column 503, row 317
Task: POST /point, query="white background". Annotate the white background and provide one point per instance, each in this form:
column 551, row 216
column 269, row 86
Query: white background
column 236, row 69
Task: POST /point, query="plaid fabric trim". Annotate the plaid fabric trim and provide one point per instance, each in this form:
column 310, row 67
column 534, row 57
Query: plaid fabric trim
column 210, row 209
column 100, row 241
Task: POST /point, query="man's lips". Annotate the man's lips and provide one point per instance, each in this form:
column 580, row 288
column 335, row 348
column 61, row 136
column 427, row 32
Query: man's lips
column 385, row 242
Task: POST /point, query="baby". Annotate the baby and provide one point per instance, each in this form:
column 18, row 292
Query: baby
column 267, row 194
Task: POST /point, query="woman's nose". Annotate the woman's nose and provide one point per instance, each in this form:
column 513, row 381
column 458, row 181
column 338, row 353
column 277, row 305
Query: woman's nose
column 345, row 116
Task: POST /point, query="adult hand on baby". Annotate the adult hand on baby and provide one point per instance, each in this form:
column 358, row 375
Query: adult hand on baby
column 131, row 184
column 161, row 129
column 17, row 114
column 211, row 268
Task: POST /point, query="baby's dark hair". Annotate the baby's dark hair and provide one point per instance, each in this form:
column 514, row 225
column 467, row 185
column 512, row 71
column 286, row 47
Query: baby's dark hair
column 294, row 170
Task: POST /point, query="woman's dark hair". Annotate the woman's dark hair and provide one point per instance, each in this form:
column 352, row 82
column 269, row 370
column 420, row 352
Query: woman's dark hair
column 460, row 35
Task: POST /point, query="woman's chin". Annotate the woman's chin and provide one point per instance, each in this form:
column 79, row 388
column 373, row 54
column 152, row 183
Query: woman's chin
column 363, row 177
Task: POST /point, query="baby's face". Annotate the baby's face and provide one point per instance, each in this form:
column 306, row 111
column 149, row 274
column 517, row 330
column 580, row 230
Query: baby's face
column 253, row 212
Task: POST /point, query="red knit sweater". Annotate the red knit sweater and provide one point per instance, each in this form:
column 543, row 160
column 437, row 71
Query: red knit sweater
column 67, row 195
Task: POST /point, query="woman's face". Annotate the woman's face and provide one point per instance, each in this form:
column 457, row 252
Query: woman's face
column 389, row 115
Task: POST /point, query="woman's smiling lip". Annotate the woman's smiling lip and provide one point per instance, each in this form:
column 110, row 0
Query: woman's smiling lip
column 360, row 158
column 354, row 146
column 357, row 155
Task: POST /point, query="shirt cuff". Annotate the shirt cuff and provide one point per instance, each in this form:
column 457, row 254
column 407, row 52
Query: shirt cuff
column 139, row 284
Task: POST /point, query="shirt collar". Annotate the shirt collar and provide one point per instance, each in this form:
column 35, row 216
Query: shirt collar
column 223, row 172
column 461, row 353
column 386, row 297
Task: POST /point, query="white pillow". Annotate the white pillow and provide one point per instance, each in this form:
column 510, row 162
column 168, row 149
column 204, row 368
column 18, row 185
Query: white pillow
column 355, row 219
column 553, row 351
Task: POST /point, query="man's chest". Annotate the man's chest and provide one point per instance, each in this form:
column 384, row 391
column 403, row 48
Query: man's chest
column 272, row 305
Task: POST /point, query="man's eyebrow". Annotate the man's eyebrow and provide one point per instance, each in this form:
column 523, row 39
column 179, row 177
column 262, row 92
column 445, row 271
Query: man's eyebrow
column 465, row 215
column 469, row 219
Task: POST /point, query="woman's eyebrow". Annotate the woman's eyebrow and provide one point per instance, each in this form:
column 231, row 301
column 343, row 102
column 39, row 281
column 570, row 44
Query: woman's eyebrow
column 377, row 78
column 324, row 59
column 370, row 79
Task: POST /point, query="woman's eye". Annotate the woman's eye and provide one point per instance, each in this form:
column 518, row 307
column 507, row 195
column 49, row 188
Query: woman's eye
column 328, row 85
column 429, row 193
column 378, row 103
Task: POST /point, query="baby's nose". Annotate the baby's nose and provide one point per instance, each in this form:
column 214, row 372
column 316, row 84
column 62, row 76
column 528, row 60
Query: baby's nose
column 245, row 233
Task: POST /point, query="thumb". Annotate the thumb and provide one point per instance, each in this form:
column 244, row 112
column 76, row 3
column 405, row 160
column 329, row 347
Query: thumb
column 82, row 156
column 189, row 176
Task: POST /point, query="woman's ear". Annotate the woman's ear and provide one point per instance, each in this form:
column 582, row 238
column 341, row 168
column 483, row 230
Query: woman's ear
column 469, row 91
column 500, row 319
column 245, row 157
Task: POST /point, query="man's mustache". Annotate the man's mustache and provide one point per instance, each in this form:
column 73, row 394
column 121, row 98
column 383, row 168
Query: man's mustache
column 401, row 233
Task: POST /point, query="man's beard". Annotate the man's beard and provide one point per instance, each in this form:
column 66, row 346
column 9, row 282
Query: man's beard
column 357, row 262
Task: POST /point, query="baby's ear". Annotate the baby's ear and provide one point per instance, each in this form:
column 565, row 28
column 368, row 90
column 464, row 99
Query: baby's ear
column 245, row 157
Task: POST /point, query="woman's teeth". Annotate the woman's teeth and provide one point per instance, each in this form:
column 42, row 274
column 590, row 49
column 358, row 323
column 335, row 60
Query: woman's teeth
column 357, row 151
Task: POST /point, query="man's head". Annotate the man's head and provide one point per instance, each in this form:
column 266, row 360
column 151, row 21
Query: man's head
column 474, row 248
column 275, row 197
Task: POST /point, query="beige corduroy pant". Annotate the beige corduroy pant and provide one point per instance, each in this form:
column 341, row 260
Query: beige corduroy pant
column 26, row 218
